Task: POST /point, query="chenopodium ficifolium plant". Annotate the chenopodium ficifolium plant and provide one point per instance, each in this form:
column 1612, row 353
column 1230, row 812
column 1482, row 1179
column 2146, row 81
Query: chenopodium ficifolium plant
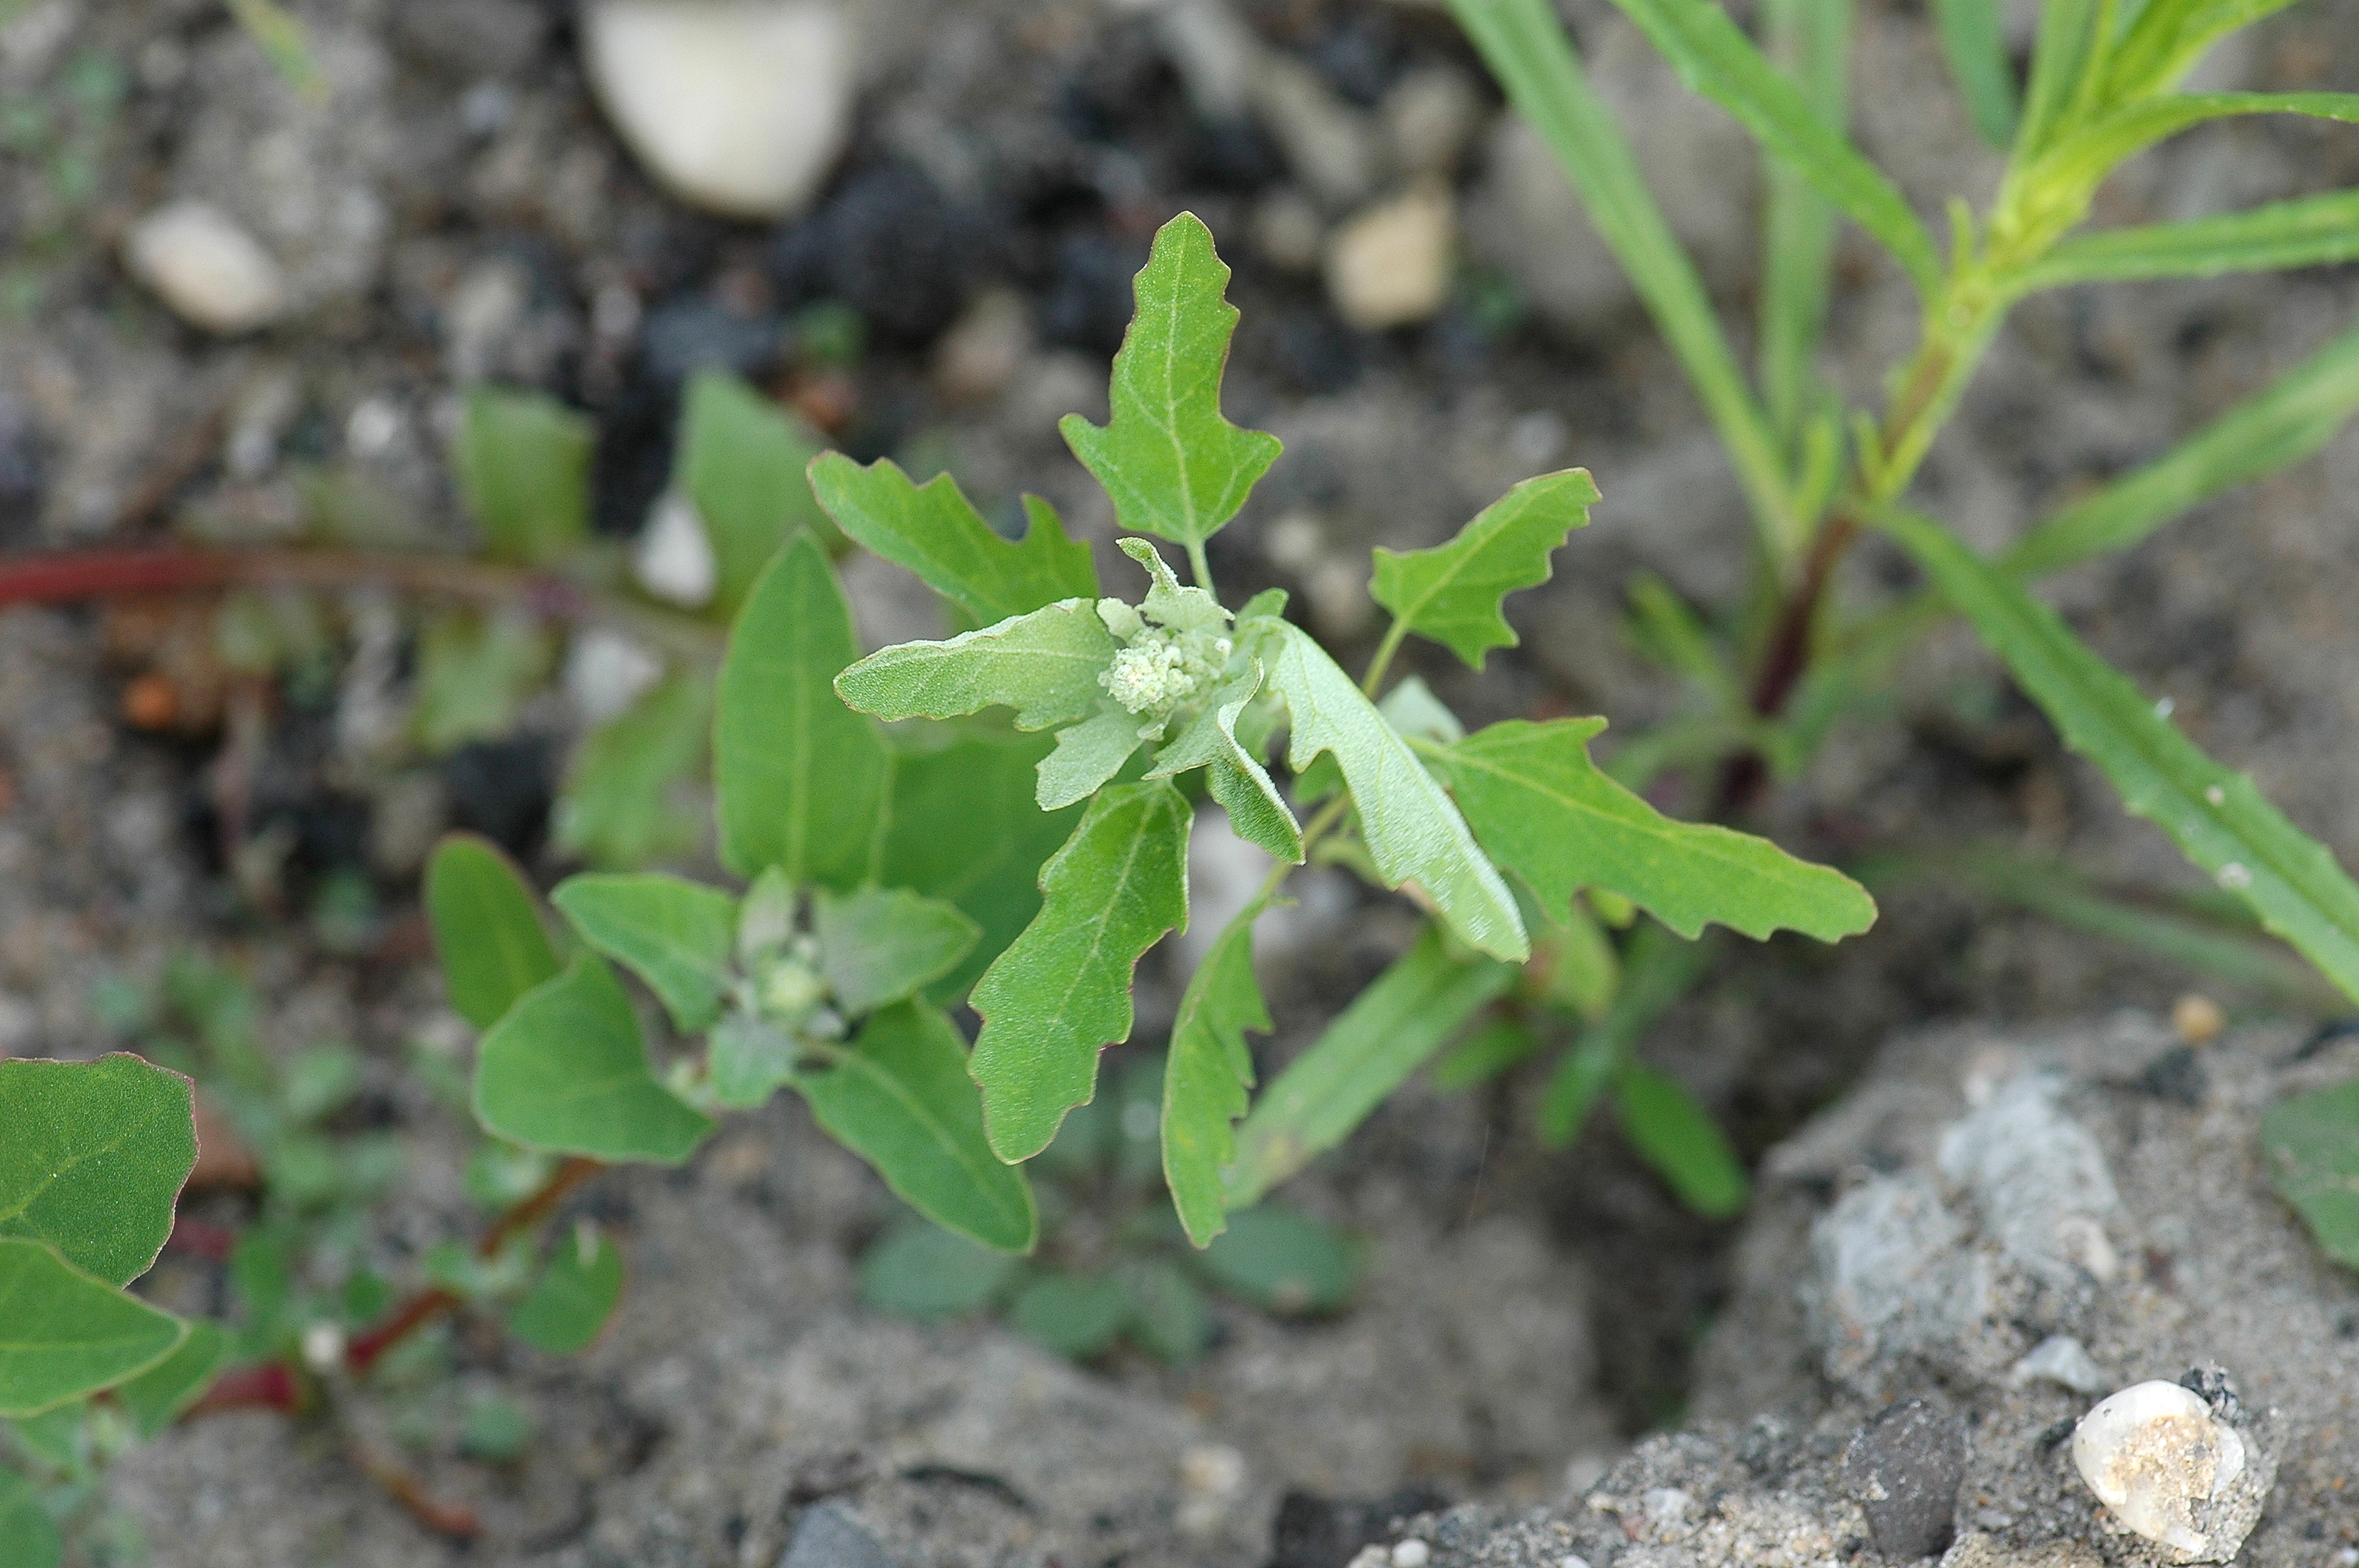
column 1493, row 832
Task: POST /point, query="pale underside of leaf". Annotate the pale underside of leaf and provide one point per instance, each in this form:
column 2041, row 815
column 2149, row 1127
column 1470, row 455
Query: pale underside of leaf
column 1413, row 832
column 1238, row 781
column 1044, row 665
column 1087, row 755
column 1207, row 1075
column 880, row 946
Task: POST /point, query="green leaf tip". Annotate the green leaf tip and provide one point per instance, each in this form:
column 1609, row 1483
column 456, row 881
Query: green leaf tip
column 1207, row 1075
column 934, row 531
column 1450, row 593
column 69, row 1332
column 488, row 929
column 1061, row 990
column 1173, row 465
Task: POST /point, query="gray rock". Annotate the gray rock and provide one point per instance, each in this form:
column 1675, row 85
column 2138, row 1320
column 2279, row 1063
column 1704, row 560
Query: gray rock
column 1904, row 1469
column 827, row 1535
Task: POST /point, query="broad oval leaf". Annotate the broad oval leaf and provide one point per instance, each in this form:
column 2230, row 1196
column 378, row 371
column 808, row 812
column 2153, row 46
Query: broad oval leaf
column 522, row 465
column 899, row 1097
column 1207, row 1075
column 568, row 1307
column 487, row 928
column 2312, row 1143
column 1407, row 1014
column 2215, row 816
column 567, row 1071
column 801, row 781
column 932, row 530
column 1716, row 60
column 1075, row 1315
column 1450, row 593
column 93, row 1157
column 68, row 1334
column 160, row 1396
column 677, row 935
column 1045, row 666
column 1284, row 1261
column 918, row 1269
column 1061, row 993
column 742, row 462
column 617, row 808
column 1413, row 832
column 1546, row 813
column 880, row 946
column 1171, row 463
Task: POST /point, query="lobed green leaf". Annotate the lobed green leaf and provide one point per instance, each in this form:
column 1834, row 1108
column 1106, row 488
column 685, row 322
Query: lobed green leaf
column 567, row 1071
column 1044, row 665
column 742, row 463
column 1413, row 832
column 2215, row 816
column 677, row 935
column 802, row 783
column 932, row 530
column 1407, row 1014
column 65, row 1333
column 522, row 466
column 488, row 929
column 880, row 946
column 1207, row 1075
column 1716, row 60
column 1172, row 463
column 1061, row 990
column 1546, row 813
column 92, row 1159
column 1238, row 779
column 1451, row 592
column 569, row 1306
column 900, row 1097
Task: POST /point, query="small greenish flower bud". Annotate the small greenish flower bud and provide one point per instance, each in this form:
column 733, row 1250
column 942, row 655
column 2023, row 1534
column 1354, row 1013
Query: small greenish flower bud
column 791, row 988
column 1162, row 669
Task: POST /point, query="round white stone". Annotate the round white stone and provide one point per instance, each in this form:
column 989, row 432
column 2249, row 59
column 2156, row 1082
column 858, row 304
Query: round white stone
column 2154, row 1455
column 674, row 559
column 1391, row 265
column 737, row 105
column 210, row 272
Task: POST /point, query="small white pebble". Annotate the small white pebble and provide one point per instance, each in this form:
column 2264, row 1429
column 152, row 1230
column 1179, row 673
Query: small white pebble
column 1573, row 1560
column 2154, row 1455
column 674, row 558
column 1371, row 1557
column 323, row 1347
column 2165, row 707
column 1411, row 1553
column 197, row 259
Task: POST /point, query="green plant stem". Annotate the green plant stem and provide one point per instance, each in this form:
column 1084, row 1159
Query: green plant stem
column 1201, row 567
column 1394, row 634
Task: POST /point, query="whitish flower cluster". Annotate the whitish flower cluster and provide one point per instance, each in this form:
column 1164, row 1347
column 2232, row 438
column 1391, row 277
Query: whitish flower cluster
column 1158, row 668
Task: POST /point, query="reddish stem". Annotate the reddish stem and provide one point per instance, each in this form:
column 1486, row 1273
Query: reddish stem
column 432, row 1302
column 1787, row 658
column 271, row 1386
column 202, row 1239
column 454, row 1520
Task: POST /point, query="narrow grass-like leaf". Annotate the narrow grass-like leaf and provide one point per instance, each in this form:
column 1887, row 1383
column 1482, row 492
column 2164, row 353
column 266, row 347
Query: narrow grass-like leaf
column 569, row 1306
column 1526, row 48
column 157, row 1396
column 1207, row 1075
column 932, row 530
column 991, row 868
column 1061, row 992
column 487, row 928
column 93, row 1155
column 1485, row 1053
column 1044, row 665
column 2312, row 1143
column 1545, row 812
column 1407, row 1014
column 676, row 935
column 2097, row 150
column 1412, row 831
column 65, row 1333
column 1716, row 60
column 1679, row 1140
column 802, row 782
column 1973, row 38
column 1451, row 592
column 1810, row 41
column 617, row 808
column 522, row 465
column 880, row 946
column 2215, row 815
column 2293, row 417
column 742, row 462
column 2312, row 231
column 1172, row 463
column 1238, row 781
column 2069, row 33
column 567, row 1071
column 900, row 1099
